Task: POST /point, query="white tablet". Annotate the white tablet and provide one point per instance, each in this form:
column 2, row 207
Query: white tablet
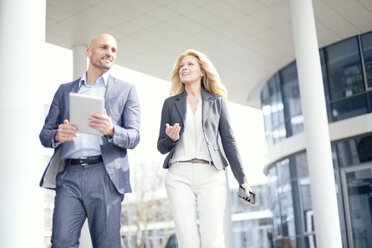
column 81, row 107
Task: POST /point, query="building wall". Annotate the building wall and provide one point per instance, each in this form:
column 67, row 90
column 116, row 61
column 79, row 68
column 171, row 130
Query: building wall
column 252, row 225
column 347, row 75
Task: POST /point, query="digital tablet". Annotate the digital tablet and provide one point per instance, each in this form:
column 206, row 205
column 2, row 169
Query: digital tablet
column 81, row 107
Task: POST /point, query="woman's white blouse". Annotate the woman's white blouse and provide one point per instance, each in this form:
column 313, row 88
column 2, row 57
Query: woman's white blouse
column 192, row 142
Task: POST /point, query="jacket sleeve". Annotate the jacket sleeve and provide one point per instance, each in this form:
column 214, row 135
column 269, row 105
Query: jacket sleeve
column 127, row 136
column 52, row 120
column 165, row 144
column 229, row 144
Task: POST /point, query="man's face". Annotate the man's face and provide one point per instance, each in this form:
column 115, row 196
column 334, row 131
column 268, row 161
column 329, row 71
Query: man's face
column 102, row 52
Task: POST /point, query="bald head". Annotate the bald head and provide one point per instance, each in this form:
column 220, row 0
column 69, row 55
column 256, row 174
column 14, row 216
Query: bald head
column 102, row 52
column 102, row 37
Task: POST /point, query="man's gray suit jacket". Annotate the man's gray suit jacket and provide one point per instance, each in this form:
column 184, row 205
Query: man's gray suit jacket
column 216, row 129
column 122, row 106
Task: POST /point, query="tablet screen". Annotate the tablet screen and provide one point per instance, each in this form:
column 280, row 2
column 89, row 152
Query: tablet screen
column 81, row 107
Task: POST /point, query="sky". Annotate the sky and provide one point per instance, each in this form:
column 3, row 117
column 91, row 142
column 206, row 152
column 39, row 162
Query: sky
column 247, row 122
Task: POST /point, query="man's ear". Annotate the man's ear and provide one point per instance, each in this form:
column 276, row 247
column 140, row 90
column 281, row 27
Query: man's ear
column 88, row 52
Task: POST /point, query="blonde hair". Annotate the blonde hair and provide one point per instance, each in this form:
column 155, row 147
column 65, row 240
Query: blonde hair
column 211, row 80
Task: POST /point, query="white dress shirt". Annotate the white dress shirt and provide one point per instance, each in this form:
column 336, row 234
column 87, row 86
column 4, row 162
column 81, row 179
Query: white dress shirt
column 86, row 145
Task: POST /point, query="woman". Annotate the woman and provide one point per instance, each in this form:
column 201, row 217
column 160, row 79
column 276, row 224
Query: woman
column 194, row 121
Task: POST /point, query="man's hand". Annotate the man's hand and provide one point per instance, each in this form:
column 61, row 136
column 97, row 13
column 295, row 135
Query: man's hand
column 66, row 132
column 173, row 131
column 101, row 122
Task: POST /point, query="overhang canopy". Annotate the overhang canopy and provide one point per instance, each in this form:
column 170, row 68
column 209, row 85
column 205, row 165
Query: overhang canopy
column 247, row 40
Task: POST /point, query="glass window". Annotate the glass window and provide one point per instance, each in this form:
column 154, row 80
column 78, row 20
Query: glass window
column 301, row 165
column 369, row 98
column 304, row 188
column 272, row 109
column 290, row 198
column 324, row 75
column 303, row 182
column 344, row 69
column 359, row 198
column 364, row 146
column 325, row 84
column 266, row 112
column 367, row 54
column 278, row 129
column 354, row 151
column 349, row 107
column 347, row 152
column 310, row 241
column 301, row 195
column 285, row 199
column 285, row 242
column 274, row 200
column 291, row 100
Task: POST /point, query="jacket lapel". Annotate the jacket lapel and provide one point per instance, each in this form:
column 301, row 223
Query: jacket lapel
column 208, row 101
column 74, row 89
column 181, row 105
column 109, row 92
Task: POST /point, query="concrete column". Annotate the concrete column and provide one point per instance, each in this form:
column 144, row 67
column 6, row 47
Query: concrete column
column 323, row 189
column 79, row 67
column 22, row 38
column 80, row 60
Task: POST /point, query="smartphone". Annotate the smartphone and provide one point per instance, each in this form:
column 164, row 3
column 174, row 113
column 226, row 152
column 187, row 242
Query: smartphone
column 251, row 198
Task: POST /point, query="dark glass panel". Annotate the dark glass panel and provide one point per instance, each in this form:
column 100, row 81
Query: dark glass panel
column 291, row 100
column 266, row 112
column 301, row 165
column 285, row 199
column 277, row 112
column 272, row 110
column 359, row 193
column 272, row 178
column 310, row 241
column 324, row 75
column 364, row 146
column 307, row 214
column 367, row 54
column 344, row 69
column 349, row 107
column 297, row 208
column 326, row 85
column 354, row 151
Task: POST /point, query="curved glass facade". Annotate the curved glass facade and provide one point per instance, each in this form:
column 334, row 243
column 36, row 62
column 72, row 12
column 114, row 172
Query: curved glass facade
column 289, row 191
column 347, row 77
column 290, row 197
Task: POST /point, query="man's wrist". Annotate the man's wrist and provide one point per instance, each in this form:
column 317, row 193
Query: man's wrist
column 112, row 132
column 55, row 142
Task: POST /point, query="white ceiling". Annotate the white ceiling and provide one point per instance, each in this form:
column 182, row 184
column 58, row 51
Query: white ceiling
column 247, row 40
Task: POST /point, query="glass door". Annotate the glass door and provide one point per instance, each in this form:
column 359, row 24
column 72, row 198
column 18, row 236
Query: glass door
column 357, row 189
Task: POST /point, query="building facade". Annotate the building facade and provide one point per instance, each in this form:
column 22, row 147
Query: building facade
column 251, row 225
column 347, row 76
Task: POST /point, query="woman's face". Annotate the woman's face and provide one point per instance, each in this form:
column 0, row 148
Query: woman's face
column 190, row 70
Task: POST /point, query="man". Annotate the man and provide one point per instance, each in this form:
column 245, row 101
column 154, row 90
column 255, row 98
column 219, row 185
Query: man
column 90, row 173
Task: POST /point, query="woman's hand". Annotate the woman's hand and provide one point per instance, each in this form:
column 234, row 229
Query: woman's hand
column 173, row 132
column 247, row 189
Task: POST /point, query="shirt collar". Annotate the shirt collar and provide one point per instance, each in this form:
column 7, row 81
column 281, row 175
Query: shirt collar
column 83, row 79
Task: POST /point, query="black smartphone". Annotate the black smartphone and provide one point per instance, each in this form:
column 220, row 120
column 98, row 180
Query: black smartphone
column 251, row 198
